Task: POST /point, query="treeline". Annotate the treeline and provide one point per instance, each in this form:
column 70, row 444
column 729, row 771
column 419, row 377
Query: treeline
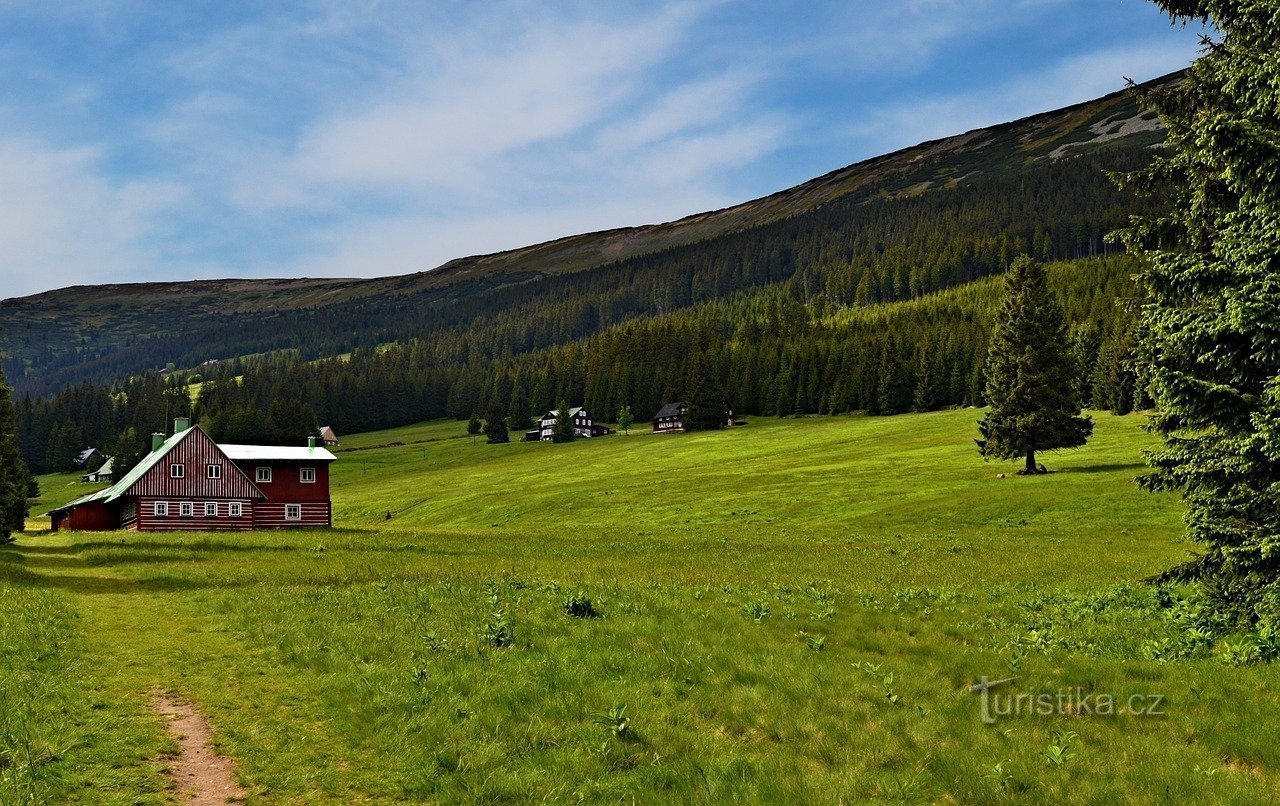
column 857, row 250
column 767, row 352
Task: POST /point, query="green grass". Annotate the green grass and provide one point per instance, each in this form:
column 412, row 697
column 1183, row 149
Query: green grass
column 786, row 612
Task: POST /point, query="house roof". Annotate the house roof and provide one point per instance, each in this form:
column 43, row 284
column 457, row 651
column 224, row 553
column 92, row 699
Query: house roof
column 84, row 455
column 84, row 499
column 107, row 467
column 670, row 410
column 327, row 432
column 277, row 453
column 149, row 461
column 553, row 413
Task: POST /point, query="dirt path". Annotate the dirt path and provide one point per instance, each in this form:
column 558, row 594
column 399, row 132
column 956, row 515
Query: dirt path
column 200, row 774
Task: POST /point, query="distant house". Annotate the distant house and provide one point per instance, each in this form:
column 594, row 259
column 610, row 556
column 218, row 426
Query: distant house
column 88, row 456
column 104, row 473
column 669, row 419
column 190, row 482
column 583, row 425
column 328, row 435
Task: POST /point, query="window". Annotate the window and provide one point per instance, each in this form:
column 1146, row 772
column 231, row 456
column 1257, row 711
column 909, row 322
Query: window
column 293, row 512
column 307, row 475
column 213, row 471
column 177, row 471
column 264, row 474
column 185, row 509
column 211, row 509
column 233, row 509
column 160, row 509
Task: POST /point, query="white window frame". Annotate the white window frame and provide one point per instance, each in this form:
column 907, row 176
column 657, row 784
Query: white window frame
column 177, row 470
column 235, row 509
column 211, row 505
column 213, row 471
column 160, row 509
column 304, row 472
column 290, row 510
column 186, row 509
column 262, row 475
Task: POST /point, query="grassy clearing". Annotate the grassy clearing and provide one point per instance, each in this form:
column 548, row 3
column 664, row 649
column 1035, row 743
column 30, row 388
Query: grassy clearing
column 789, row 611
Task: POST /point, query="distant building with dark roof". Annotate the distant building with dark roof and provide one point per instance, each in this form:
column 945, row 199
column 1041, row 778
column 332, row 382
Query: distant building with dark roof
column 583, row 425
column 669, row 419
column 87, row 456
column 328, row 435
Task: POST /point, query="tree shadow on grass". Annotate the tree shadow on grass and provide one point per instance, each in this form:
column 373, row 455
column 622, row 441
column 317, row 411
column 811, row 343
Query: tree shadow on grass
column 1108, row 468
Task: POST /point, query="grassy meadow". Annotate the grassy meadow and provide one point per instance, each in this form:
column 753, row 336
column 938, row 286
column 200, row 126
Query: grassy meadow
column 786, row 612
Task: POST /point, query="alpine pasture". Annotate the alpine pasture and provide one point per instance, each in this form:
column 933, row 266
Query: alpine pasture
column 790, row 611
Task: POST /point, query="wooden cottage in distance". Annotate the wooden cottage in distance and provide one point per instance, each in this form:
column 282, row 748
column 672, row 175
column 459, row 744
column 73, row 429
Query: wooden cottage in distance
column 328, row 436
column 671, row 419
column 104, row 473
column 189, row 482
column 583, row 425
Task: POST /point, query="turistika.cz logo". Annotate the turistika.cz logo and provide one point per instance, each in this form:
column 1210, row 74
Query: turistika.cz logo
column 1007, row 704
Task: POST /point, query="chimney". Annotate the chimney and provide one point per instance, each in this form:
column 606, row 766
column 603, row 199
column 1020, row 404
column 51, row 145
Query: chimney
column 156, row 441
column 181, row 424
column 311, row 442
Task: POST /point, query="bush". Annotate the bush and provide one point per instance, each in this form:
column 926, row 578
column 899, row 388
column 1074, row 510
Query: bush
column 579, row 606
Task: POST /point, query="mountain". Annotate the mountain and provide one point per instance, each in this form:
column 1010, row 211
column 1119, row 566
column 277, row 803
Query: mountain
column 98, row 333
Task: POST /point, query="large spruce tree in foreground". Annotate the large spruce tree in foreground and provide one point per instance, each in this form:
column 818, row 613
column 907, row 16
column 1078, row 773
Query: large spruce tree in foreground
column 1031, row 385
column 14, row 479
column 1211, row 319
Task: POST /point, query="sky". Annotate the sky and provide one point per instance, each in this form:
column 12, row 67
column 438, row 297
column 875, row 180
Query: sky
column 144, row 141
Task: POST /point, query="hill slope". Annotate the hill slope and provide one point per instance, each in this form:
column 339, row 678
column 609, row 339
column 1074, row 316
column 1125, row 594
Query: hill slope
column 102, row 332
column 806, row 636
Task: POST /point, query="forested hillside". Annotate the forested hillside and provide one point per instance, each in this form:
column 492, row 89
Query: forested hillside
column 767, row 351
column 877, row 300
column 888, row 228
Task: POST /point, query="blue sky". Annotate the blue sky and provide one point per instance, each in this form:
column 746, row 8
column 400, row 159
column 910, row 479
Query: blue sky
column 159, row 141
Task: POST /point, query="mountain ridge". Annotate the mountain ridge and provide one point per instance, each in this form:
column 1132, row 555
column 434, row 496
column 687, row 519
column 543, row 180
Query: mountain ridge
column 93, row 326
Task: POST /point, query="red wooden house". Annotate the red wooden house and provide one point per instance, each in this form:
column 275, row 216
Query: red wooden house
column 189, row 482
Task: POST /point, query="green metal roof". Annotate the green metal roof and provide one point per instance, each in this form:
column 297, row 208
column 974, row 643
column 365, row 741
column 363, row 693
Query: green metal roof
column 149, row 461
column 84, row 499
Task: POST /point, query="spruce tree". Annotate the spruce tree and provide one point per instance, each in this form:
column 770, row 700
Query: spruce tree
column 1210, row 330
column 705, row 406
column 563, row 430
column 127, row 452
column 495, row 428
column 473, row 425
column 1031, row 386
column 14, row 478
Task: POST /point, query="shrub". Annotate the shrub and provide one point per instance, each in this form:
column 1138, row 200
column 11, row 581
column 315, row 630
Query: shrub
column 579, row 606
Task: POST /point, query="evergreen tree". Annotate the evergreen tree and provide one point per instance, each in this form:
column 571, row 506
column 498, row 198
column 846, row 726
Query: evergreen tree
column 1211, row 319
column 625, row 419
column 473, row 425
column 127, row 452
column 563, row 431
column 495, row 428
column 1031, row 387
column 705, row 406
column 14, row 478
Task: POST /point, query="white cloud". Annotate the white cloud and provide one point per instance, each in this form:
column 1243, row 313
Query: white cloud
column 61, row 223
